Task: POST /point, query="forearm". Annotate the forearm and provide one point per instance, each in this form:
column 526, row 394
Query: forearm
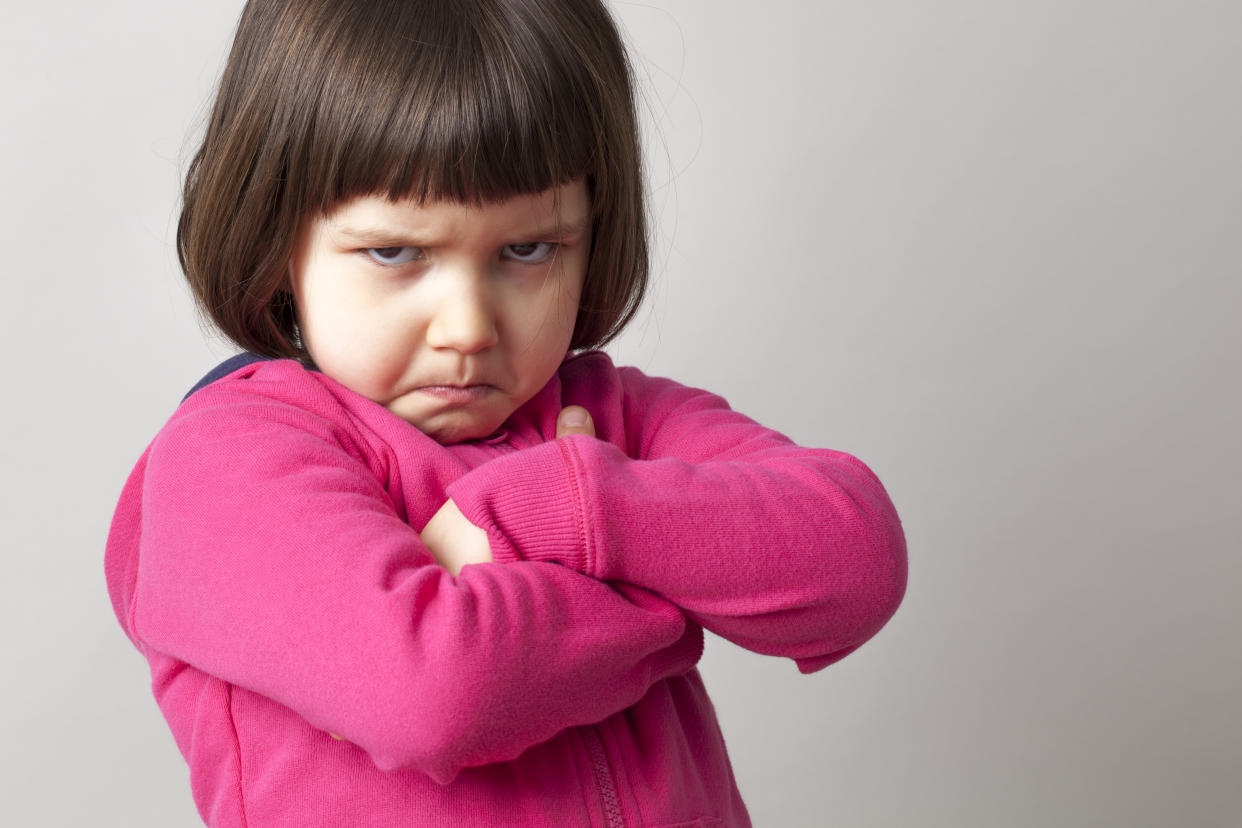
column 419, row 668
column 793, row 552
column 782, row 549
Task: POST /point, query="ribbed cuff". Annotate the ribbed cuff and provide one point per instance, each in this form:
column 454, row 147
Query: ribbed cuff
column 530, row 504
column 683, row 655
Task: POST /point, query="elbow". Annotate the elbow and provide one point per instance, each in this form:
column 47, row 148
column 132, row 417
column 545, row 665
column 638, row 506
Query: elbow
column 860, row 602
column 880, row 564
column 424, row 753
column 416, row 745
column 880, row 575
column 433, row 733
column 889, row 587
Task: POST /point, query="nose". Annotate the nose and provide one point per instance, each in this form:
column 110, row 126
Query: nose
column 463, row 320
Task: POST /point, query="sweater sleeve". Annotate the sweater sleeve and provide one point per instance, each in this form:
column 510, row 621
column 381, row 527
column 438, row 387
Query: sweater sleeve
column 271, row 557
column 784, row 550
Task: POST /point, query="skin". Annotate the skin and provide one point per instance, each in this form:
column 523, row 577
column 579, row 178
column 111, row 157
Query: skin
column 454, row 541
column 449, row 315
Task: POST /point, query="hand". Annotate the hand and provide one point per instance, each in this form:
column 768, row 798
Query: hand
column 454, row 541
column 574, row 419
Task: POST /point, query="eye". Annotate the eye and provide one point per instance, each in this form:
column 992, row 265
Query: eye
column 392, row 256
column 529, row 252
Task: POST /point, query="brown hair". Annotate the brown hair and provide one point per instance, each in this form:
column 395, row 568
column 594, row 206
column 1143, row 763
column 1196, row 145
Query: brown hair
column 467, row 100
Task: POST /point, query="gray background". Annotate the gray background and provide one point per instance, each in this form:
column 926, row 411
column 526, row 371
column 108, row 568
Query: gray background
column 990, row 247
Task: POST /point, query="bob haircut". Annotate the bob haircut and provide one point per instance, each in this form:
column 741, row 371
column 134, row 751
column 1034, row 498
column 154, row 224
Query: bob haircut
column 472, row 101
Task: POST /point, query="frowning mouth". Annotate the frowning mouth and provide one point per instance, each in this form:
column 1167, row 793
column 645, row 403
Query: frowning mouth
column 457, row 393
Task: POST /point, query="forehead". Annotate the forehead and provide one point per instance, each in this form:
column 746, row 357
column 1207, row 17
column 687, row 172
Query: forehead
column 561, row 210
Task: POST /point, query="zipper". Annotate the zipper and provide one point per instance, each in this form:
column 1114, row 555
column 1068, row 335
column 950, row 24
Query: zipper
column 603, row 778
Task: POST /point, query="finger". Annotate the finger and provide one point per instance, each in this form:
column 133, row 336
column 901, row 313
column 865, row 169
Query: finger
column 574, row 419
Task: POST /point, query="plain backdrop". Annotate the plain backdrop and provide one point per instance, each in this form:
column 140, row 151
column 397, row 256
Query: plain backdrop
column 992, row 248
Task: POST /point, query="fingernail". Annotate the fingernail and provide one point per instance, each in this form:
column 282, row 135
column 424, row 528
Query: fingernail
column 575, row 417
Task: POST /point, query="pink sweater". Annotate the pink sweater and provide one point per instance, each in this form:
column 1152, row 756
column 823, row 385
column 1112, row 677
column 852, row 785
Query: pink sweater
column 265, row 559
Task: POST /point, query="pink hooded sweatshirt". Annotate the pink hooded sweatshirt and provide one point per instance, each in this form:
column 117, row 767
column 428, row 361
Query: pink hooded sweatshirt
column 265, row 559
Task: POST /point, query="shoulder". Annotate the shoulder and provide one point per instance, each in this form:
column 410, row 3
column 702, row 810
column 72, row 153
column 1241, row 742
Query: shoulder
column 251, row 378
column 229, row 366
column 595, row 370
column 586, row 368
column 591, row 379
column 258, row 391
column 249, row 442
column 275, row 404
column 640, row 411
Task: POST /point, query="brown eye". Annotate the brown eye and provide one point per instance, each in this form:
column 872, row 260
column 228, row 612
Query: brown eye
column 529, row 252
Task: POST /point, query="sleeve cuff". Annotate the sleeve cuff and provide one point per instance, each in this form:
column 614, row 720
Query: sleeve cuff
column 530, row 505
column 683, row 655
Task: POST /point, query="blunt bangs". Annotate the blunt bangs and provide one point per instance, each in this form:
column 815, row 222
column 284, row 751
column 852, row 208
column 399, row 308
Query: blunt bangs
column 459, row 101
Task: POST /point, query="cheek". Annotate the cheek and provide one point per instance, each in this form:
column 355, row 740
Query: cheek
column 560, row 311
column 557, row 332
column 540, row 330
column 567, row 293
column 353, row 341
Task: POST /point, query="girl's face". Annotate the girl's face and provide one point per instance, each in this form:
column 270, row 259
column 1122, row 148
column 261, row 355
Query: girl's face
column 449, row 315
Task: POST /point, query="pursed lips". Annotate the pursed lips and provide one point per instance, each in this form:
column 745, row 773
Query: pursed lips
column 457, row 393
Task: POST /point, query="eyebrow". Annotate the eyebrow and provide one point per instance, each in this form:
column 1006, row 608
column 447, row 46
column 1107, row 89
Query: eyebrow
column 378, row 235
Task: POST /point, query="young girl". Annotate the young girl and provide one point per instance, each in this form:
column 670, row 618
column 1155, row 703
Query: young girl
column 421, row 558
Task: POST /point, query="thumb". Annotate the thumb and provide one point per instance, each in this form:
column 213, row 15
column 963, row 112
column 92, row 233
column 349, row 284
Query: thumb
column 574, row 419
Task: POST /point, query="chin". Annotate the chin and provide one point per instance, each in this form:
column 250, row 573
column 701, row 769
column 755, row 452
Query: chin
column 449, row 430
column 450, row 425
column 449, row 437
